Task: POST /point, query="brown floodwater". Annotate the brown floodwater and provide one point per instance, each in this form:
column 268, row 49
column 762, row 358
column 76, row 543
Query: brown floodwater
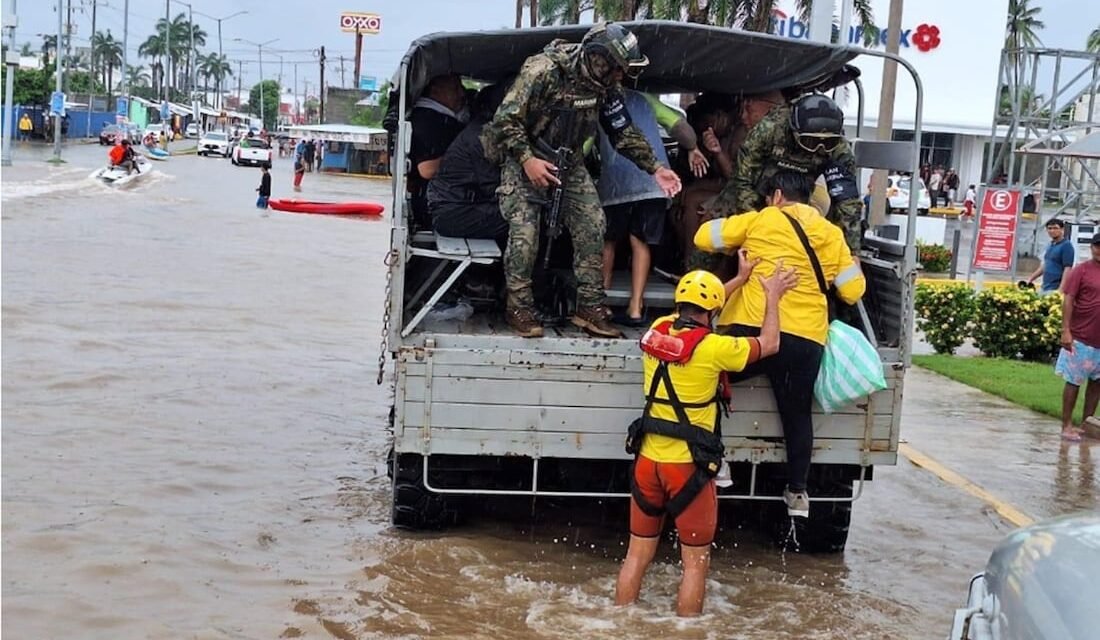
column 194, row 447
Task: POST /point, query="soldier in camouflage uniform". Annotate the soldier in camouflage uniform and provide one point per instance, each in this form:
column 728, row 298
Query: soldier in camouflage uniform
column 805, row 136
column 560, row 96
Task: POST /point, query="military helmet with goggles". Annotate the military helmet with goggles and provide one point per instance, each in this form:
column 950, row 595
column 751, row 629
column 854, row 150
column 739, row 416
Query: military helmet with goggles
column 817, row 123
column 616, row 44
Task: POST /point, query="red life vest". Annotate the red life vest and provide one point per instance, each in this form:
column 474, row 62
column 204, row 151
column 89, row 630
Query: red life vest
column 117, row 155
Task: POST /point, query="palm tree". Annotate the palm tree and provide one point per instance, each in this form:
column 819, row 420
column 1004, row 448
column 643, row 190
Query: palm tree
column 1093, row 44
column 182, row 31
column 153, row 47
column 27, row 49
column 1021, row 31
column 218, row 68
column 137, row 76
column 111, row 56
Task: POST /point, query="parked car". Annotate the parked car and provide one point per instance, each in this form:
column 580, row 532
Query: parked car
column 897, row 191
column 192, row 131
column 214, row 142
column 251, row 151
column 1040, row 583
column 110, row 134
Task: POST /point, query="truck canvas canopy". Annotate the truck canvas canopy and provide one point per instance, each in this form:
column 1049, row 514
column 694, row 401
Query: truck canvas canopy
column 683, row 57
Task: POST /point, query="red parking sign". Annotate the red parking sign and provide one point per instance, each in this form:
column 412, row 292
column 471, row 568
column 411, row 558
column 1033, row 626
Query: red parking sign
column 997, row 230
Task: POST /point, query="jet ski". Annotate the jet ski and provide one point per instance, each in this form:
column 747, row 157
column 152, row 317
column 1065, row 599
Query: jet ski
column 117, row 176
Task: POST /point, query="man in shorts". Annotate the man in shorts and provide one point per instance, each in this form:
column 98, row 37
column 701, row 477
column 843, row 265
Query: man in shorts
column 677, row 441
column 1079, row 360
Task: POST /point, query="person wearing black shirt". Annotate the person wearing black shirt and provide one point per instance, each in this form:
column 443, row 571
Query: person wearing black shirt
column 264, row 189
column 437, row 119
column 462, row 196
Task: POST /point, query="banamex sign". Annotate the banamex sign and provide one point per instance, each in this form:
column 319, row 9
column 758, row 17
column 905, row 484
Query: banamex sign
column 361, row 22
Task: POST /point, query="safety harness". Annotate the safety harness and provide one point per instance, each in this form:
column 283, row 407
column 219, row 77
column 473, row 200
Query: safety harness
column 705, row 446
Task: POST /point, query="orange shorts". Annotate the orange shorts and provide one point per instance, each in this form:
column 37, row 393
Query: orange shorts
column 659, row 481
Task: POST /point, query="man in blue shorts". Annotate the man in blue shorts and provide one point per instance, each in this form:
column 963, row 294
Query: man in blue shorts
column 1079, row 360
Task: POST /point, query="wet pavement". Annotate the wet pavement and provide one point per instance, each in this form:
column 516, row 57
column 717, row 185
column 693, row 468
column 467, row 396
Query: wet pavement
column 194, row 447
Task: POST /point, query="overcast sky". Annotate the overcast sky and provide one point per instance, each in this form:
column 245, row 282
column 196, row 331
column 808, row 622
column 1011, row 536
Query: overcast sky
column 302, row 26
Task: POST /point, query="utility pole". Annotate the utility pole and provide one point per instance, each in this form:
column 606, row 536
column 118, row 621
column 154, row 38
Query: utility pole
column 240, row 72
column 57, row 87
column 296, row 115
column 321, row 120
column 885, row 123
column 88, row 127
column 358, row 57
column 12, row 63
column 220, row 54
column 125, row 49
column 343, row 82
column 68, row 32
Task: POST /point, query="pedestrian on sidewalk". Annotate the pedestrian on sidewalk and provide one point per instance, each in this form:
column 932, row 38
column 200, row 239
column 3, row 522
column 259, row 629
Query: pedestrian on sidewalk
column 968, row 203
column 25, row 127
column 264, row 189
column 1079, row 360
column 1057, row 260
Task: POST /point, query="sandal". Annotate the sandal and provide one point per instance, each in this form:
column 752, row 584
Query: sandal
column 1073, row 435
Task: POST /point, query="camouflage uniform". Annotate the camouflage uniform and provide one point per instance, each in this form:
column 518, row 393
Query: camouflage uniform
column 549, row 86
column 769, row 148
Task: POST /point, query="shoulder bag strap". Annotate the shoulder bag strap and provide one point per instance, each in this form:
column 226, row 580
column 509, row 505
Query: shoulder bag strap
column 810, row 252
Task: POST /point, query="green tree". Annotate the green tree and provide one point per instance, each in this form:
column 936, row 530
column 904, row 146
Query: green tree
column 82, row 82
column 154, row 48
column 27, row 49
column 1093, row 44
column 32, row 86
column 215, row 67
column 271, row 92
column 1021, row 31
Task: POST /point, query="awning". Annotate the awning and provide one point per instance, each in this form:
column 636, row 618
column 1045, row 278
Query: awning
column 335, row 132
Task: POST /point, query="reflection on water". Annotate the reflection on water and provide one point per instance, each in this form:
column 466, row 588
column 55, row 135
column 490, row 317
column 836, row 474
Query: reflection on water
column 193, row 446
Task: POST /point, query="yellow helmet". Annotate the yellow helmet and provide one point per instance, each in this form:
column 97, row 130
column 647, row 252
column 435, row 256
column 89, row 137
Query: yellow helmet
column 702, row 289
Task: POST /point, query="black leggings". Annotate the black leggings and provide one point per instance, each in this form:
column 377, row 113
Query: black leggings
column 792, row 373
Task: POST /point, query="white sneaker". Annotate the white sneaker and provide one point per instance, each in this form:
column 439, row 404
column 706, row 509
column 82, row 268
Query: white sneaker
column 798, row 504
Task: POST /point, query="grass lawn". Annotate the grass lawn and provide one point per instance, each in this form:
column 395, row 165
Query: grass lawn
column 1029, row 384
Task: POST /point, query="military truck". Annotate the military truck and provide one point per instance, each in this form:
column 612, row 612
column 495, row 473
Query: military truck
column 479, row 413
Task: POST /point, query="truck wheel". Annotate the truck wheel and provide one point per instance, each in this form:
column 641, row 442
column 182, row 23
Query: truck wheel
column 826, row 530
column 414, row 506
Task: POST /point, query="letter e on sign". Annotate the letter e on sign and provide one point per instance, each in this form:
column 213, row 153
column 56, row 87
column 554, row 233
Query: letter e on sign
column 361, row 22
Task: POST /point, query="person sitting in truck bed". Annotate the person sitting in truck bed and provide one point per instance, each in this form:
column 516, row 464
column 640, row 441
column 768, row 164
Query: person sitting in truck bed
column 633, row 203
column 462, row 196
column 788, row 231
column 677, row 442
column 437, row 118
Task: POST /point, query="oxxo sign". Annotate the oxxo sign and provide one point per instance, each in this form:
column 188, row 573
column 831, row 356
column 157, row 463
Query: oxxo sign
column 360, row 22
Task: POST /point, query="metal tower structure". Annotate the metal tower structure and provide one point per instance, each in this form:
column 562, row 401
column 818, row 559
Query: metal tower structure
column 1045, row 138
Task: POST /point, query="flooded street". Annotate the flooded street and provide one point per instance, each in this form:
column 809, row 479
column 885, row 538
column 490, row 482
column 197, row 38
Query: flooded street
column 194, row 447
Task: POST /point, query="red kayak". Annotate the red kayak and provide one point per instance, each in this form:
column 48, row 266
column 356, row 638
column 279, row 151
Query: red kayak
column 333, row 208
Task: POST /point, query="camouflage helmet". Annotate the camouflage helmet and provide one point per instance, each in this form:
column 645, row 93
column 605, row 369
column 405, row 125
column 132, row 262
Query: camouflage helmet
column 615, row 43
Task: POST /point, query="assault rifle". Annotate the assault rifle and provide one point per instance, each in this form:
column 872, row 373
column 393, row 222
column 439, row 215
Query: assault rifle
column 562, row 158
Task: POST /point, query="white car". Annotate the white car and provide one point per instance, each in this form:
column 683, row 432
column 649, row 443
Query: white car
column 897, row 191
column 251, row 151
column 214, row 142
column 192, row 131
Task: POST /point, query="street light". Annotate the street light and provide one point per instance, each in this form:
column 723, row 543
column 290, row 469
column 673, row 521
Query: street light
column 219, row 21
column 260, row 46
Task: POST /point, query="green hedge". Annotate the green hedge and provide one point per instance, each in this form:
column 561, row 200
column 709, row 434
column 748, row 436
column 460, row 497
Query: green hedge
column 1003, row 322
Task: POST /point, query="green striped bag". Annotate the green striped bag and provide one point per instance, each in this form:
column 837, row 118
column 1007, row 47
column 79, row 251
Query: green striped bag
column 850, row 368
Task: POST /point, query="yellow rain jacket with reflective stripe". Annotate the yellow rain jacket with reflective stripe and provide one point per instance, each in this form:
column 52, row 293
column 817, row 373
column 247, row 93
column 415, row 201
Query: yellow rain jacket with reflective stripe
column 768, row 235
